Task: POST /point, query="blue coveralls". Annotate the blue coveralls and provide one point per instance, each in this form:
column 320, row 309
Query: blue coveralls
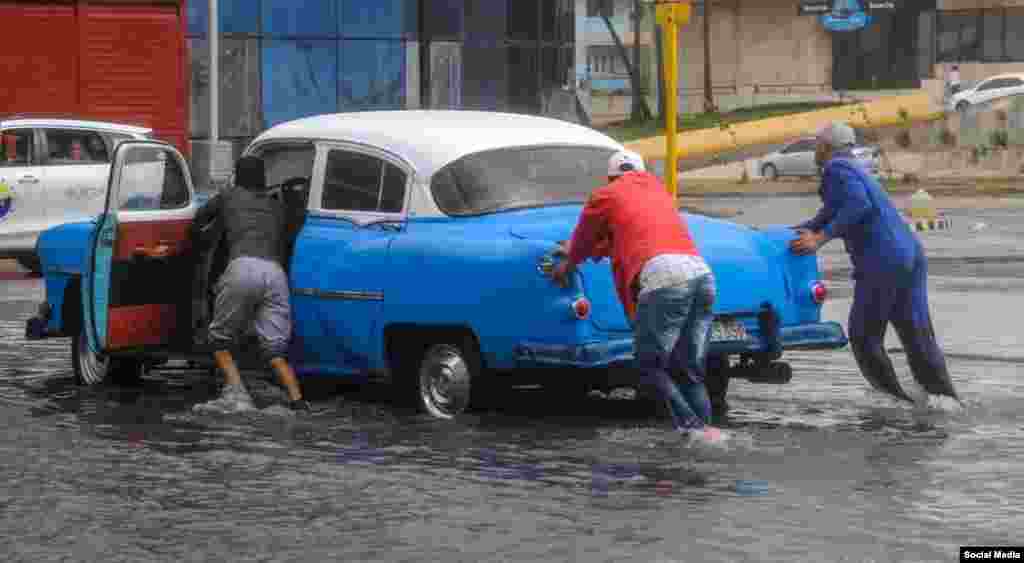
column 891, row 278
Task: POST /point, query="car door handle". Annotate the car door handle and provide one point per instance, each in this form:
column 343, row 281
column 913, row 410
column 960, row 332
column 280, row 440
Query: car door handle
column 160, row 250
column 28, row 180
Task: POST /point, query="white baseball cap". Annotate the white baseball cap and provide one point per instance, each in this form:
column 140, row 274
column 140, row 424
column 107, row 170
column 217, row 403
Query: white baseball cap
column 625, row 161
column 837, row 134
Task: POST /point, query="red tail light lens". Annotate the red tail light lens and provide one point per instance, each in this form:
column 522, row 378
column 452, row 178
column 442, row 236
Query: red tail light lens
column 819, row 293
column 581, row 308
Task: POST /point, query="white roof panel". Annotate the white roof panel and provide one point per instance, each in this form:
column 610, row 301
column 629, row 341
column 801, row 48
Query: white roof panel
column 430, row 139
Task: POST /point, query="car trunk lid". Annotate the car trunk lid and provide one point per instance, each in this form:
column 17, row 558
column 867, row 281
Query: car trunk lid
column 749, row 269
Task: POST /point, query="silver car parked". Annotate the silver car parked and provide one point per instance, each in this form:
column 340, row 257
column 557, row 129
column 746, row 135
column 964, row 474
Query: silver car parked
column 797, row 159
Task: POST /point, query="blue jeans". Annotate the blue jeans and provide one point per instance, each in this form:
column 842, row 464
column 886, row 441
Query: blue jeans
column 671, row 338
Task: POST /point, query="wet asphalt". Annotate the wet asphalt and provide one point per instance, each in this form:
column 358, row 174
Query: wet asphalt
column 821, row 469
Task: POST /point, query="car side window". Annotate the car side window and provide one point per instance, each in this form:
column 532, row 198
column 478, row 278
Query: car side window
column 152, row 180
column 69, row 146
column 360, row 182
column 392, row 195
column 16, row 149
column 990, row 85
column 1014, row 82
column 801, row 146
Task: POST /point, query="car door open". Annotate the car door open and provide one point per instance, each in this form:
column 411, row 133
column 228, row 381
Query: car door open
column 137, row 289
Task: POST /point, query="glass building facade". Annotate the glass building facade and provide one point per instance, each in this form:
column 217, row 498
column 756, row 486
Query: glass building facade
column 282, row 59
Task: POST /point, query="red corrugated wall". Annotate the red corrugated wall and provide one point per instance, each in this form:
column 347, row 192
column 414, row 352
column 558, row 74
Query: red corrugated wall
column 124, row 62
column 38, row 58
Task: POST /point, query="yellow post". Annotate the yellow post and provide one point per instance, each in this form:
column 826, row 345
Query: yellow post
column 670, row 15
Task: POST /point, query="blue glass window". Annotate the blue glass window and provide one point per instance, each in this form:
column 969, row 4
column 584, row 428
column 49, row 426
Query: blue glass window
column 485, row 83
column 236, row 16
column 372, row 75
column 485, row 23
column 380, row 18
column 300, row 78
column 443, row 19
column 307, row 18
column 523, row 22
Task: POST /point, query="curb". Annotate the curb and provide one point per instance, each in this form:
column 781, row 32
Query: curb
column 941, row 223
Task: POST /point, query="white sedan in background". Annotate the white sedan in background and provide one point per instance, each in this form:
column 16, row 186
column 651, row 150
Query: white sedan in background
column 52, row 171
column 992, row 88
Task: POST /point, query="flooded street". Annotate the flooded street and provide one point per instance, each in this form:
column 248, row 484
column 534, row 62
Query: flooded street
column 822, row 469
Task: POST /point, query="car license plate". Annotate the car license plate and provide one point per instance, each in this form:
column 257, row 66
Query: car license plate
column 728, row 330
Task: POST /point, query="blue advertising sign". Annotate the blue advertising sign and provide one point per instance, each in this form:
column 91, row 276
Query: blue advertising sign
column 846, row 15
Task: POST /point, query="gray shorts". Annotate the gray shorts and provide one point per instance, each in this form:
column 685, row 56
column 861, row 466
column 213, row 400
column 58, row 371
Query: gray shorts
column 252, row 297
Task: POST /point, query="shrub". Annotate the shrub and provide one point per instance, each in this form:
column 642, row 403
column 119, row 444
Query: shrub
column 999, row 138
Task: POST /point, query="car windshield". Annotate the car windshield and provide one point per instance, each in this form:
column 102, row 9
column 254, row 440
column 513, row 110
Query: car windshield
column 514, row 178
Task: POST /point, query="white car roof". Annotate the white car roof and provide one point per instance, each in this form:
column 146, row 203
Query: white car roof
column 75, row 124
column 997, row 76
column 430, row 139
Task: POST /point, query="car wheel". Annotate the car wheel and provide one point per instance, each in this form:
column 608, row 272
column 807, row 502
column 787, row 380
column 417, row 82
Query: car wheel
column 91, row 368
column 31, row 263
column 961, row 105
column 444, row 378
column 769, row 171
column 716, row 381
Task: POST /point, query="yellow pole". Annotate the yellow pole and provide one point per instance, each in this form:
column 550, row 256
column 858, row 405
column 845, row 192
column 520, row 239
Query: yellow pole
column 670, row 16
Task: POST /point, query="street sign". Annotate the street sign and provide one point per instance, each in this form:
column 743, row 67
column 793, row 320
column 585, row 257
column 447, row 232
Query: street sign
column 837, row 7
column 814, row 7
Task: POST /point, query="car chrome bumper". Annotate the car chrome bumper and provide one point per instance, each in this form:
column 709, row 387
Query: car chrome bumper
column 816, row 336
column 587, row 355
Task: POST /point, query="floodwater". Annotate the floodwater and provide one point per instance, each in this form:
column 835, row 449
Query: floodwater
column 820, row 470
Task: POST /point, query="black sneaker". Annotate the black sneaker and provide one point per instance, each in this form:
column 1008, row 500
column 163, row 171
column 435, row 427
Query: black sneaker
column 301, row 405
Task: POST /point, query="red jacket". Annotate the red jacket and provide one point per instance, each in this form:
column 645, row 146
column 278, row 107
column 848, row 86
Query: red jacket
column 632, row 219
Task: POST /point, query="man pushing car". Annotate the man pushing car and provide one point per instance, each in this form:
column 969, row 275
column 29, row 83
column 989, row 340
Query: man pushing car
column 890, row 268
column 252, row 294
column 665, row 286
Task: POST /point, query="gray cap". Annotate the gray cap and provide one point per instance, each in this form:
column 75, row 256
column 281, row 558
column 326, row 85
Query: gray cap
column 837, row 134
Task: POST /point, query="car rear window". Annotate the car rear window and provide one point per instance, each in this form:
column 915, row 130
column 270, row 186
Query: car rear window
column 513, row 178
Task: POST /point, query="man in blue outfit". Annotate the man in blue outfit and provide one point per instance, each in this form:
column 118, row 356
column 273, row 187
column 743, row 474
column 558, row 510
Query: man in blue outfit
column 889, row 263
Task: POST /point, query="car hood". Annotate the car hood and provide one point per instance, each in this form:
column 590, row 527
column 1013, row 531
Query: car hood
column 748, row 266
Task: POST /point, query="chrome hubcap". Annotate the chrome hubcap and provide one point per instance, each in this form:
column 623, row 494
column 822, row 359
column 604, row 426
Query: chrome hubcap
column 92, row 366
column 444, row 381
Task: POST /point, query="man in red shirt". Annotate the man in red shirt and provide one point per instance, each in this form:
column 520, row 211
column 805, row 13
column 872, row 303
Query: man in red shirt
column 665, row 286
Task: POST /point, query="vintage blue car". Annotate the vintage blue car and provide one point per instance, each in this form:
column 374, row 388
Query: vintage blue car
column 421, row 242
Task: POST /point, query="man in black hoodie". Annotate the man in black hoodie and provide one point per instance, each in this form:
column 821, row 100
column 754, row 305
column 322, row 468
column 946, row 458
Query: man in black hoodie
column 252, row 294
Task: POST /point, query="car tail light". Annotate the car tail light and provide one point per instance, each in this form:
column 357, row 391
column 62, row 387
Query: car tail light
column 581, row 308
column 819, row 292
